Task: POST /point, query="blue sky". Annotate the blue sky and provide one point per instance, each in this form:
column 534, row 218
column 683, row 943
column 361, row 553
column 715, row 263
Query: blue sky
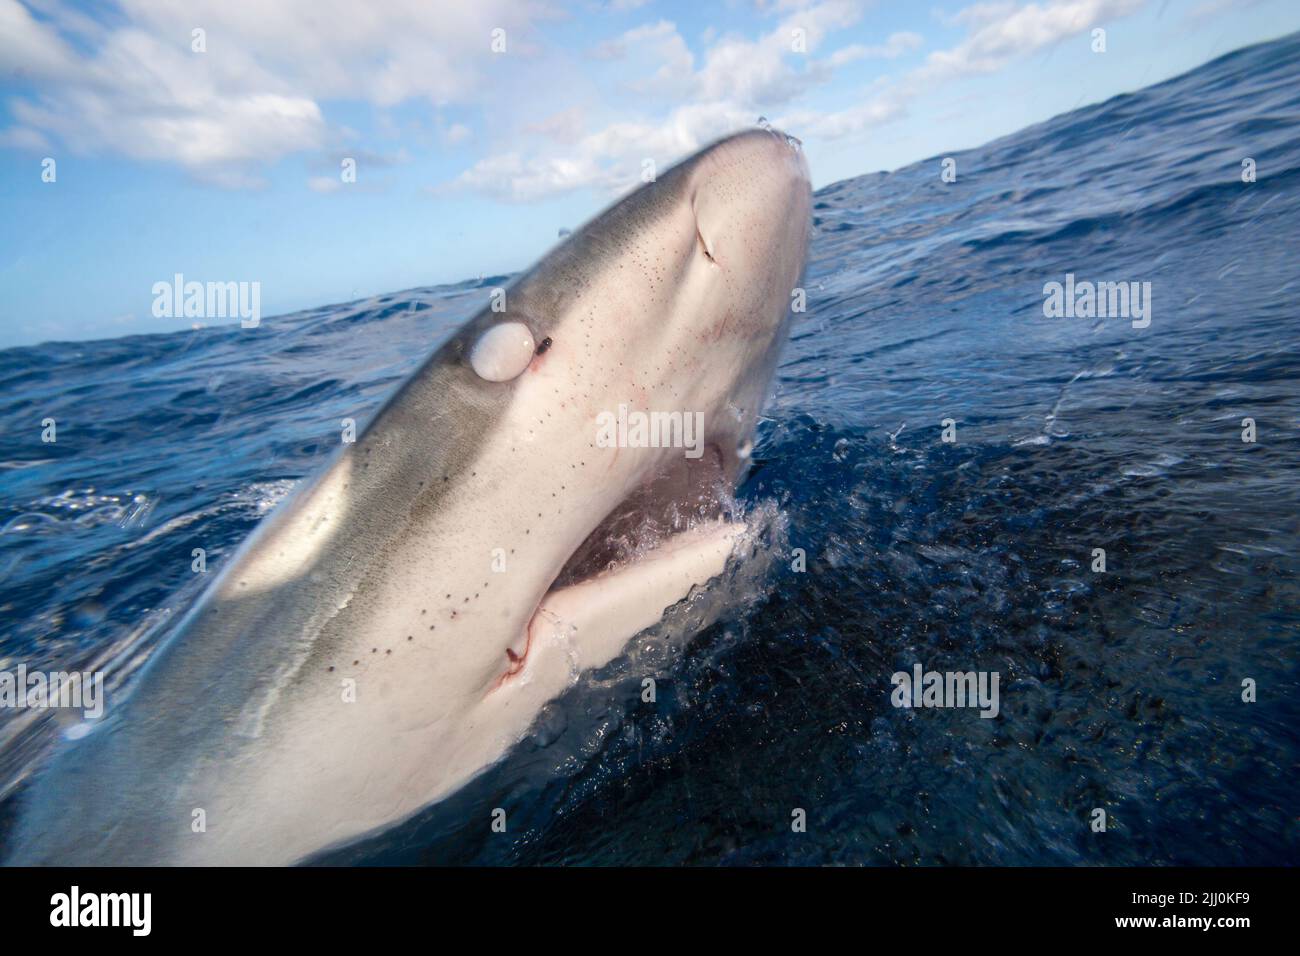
column 224, row 165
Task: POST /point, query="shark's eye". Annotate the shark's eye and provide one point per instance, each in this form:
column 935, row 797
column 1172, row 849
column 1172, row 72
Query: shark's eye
column 502, row 352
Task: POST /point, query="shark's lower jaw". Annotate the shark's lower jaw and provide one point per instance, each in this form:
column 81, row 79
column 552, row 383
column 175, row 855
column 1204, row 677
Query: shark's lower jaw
column 591, row 621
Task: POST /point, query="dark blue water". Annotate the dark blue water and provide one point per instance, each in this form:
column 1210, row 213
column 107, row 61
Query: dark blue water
column 1119, row 690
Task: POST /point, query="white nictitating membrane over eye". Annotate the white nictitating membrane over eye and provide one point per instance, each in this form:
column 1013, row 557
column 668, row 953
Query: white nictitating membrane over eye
column 503, row 352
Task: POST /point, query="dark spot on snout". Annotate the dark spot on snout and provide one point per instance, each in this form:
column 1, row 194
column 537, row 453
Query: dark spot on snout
column 546, row 344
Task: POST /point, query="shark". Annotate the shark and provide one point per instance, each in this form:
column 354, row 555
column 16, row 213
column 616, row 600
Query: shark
column 396, row 624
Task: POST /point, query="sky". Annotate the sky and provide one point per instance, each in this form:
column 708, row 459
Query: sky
column 213, row 138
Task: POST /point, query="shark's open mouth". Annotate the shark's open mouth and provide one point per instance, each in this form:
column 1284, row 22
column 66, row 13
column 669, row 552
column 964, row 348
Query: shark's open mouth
column 644, row 556
column 684, row 493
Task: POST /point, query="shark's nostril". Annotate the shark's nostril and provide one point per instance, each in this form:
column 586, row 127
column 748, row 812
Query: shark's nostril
column 704, row 247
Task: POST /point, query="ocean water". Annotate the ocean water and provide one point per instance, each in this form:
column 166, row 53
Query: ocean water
column 1119, row 690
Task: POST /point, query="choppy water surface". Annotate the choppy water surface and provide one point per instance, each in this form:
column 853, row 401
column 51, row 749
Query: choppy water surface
column 1119, row 690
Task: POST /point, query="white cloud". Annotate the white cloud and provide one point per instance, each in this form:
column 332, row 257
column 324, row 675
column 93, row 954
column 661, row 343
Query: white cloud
column 1213, row 8
column 656, row 46
column 457, row 133
column 563, row 127
column 977, row 14
column 510, row 178
column 133, row 86
column 27, row 46
column 254, row 95
column 998, row 34
column 891, row 49
column 28, row 140
column 609, row 159
column 737, row 80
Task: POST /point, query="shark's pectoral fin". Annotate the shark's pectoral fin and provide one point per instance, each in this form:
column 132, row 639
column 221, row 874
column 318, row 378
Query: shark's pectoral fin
column 596, row 618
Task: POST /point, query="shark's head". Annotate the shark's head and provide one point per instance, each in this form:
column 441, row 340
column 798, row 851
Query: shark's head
column 666, row 312
column 504, row 522
column 674, row 299
column 677, row 296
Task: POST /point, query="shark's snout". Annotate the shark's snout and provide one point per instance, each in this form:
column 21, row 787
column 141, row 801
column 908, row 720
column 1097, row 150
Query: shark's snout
column 750, row 192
